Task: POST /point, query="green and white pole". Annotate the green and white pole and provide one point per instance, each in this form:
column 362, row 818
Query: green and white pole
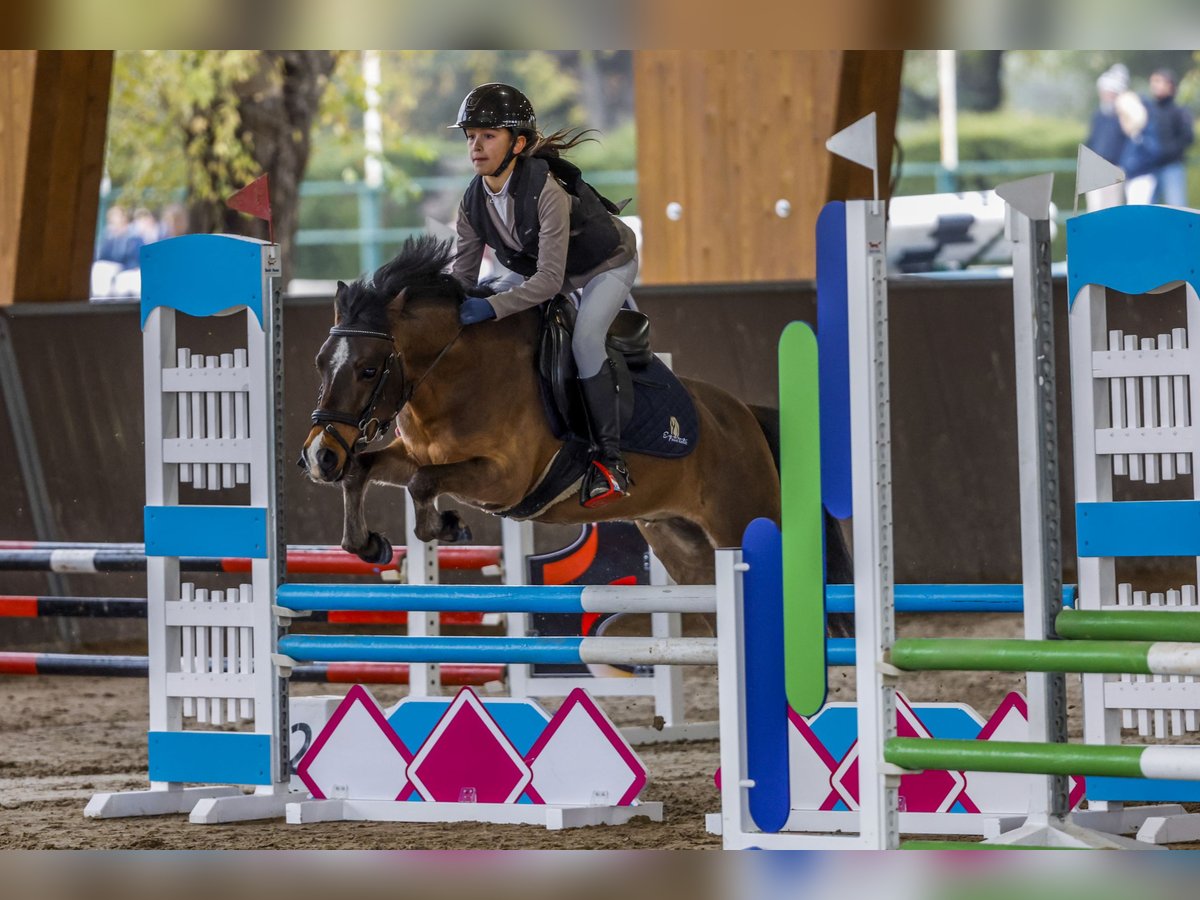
column 1102, row 657
column 1089, row 760
column 1129, row 625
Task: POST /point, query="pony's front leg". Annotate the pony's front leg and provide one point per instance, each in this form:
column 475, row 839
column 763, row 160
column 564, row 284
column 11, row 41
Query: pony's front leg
column 389, row 465
column 470, row 478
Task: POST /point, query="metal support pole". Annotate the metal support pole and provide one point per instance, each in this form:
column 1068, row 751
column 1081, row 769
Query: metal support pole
column 874, row 572
column 1037, row 441
column 424, row 679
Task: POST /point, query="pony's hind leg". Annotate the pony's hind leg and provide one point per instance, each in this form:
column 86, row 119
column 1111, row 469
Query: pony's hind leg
column 839, row 569
column 683, row 548
column 468, row 478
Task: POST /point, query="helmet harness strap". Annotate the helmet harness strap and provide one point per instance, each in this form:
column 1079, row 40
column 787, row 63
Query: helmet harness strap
column 508, row 157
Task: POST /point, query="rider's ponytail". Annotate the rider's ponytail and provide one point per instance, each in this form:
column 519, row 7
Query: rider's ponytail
column 559, row 142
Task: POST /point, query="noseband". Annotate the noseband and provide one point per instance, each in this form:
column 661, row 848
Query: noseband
column 367, row 422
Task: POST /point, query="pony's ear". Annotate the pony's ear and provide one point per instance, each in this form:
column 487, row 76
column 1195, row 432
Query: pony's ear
column 337, row 296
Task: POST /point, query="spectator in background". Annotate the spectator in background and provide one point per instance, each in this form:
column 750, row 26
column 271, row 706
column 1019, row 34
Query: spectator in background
column 1141, row 153
column 146, row 225
column 116, row 271
column 1172, row 125
column 174, row 221
column 1106, row 136
column 121, row 242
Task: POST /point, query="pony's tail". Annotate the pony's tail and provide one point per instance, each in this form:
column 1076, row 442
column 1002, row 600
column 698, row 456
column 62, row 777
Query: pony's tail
column 768, row 421
column 839, row 565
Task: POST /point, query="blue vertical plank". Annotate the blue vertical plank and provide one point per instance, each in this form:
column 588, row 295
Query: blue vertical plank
column 766, row 698
column 833, row 339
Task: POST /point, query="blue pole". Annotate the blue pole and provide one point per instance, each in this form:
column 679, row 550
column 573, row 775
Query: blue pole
column 432, row 598
column 911, row 598
column 930, row 598
column 559, row 650
column 839, row 651
column 388, row 648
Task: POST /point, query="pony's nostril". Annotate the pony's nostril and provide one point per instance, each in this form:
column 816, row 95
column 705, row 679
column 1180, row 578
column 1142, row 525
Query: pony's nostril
column 326, row 460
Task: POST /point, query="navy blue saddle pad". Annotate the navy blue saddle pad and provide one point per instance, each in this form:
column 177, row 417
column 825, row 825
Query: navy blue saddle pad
column 664, row 421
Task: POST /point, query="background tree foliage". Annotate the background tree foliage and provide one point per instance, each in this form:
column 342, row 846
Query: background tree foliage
column 199, row 125
column 1046, row 82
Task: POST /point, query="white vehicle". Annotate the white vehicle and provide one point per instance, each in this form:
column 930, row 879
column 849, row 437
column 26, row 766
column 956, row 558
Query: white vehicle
column 948, row 232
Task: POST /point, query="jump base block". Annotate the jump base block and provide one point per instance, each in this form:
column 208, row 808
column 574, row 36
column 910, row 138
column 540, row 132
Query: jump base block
column 553, row 818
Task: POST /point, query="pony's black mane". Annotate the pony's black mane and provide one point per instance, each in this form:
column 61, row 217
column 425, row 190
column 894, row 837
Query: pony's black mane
column 419, row 267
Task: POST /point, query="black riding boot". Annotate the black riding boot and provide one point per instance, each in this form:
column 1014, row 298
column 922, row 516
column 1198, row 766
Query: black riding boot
column 608, row 478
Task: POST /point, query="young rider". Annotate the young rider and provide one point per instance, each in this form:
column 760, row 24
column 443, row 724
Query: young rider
column 552, row 242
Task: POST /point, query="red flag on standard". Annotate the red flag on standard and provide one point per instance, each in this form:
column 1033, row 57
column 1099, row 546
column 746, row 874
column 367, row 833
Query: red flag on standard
column 255, row 199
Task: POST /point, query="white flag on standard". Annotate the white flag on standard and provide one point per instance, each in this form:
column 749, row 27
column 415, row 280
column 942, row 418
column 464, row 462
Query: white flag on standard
column 1093, row 171
column 1029, row 196
column 856, row 142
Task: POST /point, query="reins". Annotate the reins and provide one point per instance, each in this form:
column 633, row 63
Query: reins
column 437, row 359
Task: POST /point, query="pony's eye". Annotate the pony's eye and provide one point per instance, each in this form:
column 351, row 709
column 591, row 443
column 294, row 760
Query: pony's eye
column 369, row 372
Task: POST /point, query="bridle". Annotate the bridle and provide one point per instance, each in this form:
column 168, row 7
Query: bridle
column 368, row 422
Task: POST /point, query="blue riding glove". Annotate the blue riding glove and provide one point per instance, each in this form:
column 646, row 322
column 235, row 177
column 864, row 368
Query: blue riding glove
column 475, row 309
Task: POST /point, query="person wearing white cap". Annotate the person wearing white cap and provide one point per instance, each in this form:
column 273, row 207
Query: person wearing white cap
column 1107, row 137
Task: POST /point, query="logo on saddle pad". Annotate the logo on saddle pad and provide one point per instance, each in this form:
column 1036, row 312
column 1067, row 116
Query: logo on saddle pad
column 672, row 433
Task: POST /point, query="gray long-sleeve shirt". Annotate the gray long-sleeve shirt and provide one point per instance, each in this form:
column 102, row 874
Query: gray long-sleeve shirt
column 554, row 234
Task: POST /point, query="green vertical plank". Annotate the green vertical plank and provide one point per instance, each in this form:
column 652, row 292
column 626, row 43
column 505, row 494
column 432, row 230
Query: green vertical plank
column 803, row 534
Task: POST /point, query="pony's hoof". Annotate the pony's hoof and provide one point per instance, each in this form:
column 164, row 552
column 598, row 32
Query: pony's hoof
column 378, row 551
column 454, row 529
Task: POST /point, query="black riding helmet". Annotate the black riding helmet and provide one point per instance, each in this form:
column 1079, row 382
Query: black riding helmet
column 497, row 105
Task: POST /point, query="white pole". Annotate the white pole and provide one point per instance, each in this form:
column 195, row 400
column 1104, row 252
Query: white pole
column 948, row 108
column 421, row 564
column 370, row 216
column 372, row 121
column 517, row 542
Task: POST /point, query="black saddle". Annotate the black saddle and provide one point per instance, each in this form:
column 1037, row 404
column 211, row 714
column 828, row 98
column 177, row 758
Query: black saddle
column 660, row 414
column 628, row 347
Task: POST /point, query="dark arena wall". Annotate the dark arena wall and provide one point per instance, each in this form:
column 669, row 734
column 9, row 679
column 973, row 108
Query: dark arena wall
column 953, row 422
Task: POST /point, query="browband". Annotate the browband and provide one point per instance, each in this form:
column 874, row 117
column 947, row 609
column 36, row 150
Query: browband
column 342, row 331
